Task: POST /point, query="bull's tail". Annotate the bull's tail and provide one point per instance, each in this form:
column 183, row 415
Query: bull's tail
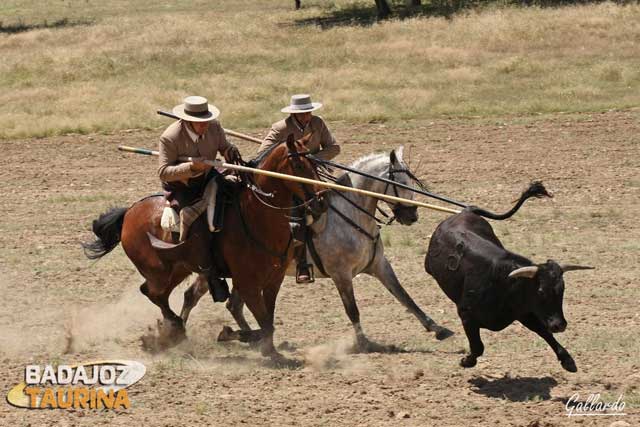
column 536, row 189
column 107, row 228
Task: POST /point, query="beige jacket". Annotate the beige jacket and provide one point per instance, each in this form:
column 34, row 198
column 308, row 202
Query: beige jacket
column 176, row 142
column 320, row 141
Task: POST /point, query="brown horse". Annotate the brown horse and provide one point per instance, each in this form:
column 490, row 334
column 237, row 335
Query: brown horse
column 254, row 247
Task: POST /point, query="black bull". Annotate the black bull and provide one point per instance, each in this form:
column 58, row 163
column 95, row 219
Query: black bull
column 492, row 286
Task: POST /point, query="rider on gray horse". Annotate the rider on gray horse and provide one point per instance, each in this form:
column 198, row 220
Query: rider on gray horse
column 302, row 123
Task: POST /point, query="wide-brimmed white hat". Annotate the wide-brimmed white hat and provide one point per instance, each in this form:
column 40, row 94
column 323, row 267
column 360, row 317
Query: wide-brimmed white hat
column 301, row 104
column 196, row 109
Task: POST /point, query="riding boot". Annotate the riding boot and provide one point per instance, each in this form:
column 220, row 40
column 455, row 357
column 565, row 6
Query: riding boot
column 298, row 233
column 218, row 286
column 303, row 269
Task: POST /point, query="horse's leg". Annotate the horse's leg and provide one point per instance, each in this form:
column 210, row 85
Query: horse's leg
column 192, row 295
column 382, row 270
column 235, row 306
column 262, row 306
column 344, row 284
column 171, row 332
column 270, row 294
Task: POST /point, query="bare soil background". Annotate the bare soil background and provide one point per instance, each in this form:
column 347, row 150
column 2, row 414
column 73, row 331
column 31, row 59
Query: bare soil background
column 53, row 188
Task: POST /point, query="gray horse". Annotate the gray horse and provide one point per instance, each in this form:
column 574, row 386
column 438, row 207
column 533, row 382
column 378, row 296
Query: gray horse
column 347, row 242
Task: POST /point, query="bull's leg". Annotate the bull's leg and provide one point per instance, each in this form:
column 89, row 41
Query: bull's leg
column 531, row 322
column 363, row 344
column 192, row 295
column 472, row 330
column 382, row 270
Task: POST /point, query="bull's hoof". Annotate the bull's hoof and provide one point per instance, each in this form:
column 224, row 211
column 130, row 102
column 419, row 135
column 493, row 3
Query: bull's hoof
column 569, row 364
column 443, row 333
column 468, row 362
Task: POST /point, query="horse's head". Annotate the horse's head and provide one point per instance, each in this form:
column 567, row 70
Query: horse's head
column 399, row 172
column 290, row 159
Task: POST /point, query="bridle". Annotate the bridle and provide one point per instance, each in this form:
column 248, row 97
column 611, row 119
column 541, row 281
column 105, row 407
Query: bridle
column 395, row 206
column 298, row 168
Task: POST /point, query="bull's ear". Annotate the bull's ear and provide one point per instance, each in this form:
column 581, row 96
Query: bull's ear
column 291, row 142
column 528, row 272
column 572, row 267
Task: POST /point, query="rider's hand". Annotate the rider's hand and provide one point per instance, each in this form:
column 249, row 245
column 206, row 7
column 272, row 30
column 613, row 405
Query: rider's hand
column 198, row 165
column 233, row 154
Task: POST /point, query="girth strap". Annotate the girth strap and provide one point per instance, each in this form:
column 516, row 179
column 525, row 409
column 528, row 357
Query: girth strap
column 314, row 253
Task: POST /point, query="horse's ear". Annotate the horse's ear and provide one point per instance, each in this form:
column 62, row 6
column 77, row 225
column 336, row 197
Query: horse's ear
column 305, row 139
column 399, row 154
column 392, row 156
column 291, row 142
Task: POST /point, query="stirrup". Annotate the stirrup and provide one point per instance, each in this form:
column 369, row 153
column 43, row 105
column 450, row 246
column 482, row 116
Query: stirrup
column 311, row 278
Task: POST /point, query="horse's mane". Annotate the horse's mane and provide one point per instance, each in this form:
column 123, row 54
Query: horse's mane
column 262, row 156
column 378, row 157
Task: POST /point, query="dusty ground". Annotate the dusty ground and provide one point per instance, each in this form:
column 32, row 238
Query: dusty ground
column 53, row 188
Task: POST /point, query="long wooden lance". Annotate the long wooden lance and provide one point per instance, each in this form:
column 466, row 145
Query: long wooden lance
column 340, row 166
column 300, row 179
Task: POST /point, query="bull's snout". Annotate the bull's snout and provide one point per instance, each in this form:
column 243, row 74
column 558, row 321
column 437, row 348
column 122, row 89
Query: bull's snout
column 556, row 325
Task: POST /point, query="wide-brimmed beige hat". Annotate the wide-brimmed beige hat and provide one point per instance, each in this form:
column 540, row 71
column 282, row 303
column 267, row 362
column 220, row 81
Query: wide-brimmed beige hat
column 301, row 104
column 196, row 109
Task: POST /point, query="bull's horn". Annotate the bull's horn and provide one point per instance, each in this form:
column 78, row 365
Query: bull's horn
column 527, row 272
column 571, row 267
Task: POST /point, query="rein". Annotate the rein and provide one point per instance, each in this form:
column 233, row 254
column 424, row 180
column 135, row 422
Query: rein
column 390, row 181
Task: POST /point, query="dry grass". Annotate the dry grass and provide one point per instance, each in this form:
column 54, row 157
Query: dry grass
column 128, row 59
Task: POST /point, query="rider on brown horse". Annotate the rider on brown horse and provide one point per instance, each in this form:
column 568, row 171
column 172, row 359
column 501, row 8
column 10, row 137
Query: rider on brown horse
column 301, row 123
column 190, row 186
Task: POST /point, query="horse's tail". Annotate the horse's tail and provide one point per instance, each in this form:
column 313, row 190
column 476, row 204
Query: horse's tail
column 536, row 189
column 107, row 228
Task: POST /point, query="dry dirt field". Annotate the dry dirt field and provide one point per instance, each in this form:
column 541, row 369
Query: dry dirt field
column 53, row 188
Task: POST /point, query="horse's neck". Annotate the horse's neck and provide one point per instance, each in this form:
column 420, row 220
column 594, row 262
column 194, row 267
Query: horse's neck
column 377, row 166
column 255, row 205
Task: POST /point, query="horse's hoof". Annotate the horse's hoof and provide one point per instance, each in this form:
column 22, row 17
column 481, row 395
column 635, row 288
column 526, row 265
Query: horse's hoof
column 364, row 345
column 277, row 360
column 226, row 334
column 443, row 333
column 149, row 343
column 165, row 336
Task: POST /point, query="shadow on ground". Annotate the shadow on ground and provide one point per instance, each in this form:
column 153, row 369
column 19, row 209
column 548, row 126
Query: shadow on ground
column 519, row 389
column 362, row 15
column 22, row 27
